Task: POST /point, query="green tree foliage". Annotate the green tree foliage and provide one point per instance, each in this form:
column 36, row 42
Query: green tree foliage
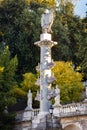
column 20, row 30
column 81, row 54
column 7, row 84
column 70, row 32
column 64, row 31
column 69, row 82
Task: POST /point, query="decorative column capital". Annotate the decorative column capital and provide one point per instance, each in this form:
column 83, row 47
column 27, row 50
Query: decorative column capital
column 45, row 43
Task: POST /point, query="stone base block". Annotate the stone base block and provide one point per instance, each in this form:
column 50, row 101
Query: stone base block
column 45, row 36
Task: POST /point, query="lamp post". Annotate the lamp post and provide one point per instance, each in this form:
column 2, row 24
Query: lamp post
column 51, row 113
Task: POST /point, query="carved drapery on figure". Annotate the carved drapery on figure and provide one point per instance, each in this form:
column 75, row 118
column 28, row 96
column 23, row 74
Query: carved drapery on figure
column 47, row 20
column 57, row 97
column 29, row 101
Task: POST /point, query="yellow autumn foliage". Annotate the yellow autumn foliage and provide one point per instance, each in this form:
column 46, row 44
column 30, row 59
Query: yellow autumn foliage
column 19, row 92
column 29, row 82
column 50, row 3
column 1, row 69
column 69, row 81
column 65, row 74
column 1, row 1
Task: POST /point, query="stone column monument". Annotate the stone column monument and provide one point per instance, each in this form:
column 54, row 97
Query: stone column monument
column 46, row 62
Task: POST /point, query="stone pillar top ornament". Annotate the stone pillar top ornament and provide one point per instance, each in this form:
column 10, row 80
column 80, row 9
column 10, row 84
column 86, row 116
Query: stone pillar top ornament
column 47, row 20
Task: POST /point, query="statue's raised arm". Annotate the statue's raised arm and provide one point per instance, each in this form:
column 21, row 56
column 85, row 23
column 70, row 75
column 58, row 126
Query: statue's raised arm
column 47, row 20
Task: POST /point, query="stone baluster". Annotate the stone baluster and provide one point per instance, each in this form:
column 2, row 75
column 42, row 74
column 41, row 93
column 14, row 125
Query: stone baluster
column 35, row 112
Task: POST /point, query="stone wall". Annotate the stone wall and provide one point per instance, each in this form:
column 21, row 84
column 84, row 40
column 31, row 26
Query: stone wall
column 74, row 123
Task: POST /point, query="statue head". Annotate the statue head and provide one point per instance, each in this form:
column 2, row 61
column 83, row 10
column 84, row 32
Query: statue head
column 46, row 11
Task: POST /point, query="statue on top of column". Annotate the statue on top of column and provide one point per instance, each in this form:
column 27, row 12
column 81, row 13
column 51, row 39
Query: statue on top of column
column 47, row 20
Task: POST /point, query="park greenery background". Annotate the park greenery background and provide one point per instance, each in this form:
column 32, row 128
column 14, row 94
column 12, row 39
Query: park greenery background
column 19, row 29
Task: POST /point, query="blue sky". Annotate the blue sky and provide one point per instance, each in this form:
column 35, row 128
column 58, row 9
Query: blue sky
column 81, row 8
